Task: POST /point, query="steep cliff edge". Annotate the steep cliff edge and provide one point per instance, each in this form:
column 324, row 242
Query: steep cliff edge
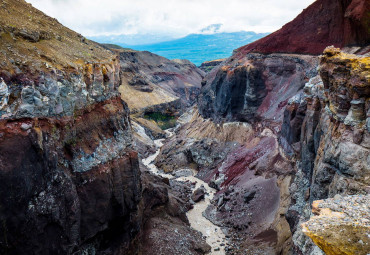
column 69, row 176
column 327, row 129
column 340, row 23
column 254, row 87
column 70, row 180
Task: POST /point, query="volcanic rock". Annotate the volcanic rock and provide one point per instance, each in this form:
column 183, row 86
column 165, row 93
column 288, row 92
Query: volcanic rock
column 209, row 65
column 340, row 23
column 149, row 80
column 341, row 225
column 198, row 194
column 254, row 87
column 333, row 145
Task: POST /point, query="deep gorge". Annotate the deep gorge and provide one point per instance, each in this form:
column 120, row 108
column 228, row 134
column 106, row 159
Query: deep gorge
column 107, row 150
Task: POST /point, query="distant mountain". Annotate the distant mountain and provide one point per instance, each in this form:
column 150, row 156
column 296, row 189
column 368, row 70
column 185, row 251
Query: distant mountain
column 197, row 48
column 135, row 39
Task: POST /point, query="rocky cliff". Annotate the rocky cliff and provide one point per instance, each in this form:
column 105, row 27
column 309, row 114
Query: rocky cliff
column 68, row 173
column 331, row 136
column 254, row 87
column 70, row 181
column 271, row 133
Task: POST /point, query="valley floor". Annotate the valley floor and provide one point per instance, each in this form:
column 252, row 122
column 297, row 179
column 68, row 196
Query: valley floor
column 214, row 234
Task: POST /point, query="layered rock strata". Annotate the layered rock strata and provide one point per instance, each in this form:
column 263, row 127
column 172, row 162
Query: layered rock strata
column 69, row 176
column 254, row 87
column 70, row 180
column 329, row 136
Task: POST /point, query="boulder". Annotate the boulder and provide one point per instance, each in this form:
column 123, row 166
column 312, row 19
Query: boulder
column 198, row 194
column 340, row 225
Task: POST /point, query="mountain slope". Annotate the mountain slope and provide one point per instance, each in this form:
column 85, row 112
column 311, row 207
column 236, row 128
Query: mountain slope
column 323, row 23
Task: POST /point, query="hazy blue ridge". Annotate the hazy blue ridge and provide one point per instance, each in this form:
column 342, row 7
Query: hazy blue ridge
column 197, row 48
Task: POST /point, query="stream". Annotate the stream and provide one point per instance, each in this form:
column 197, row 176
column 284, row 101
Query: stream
column 214, row 235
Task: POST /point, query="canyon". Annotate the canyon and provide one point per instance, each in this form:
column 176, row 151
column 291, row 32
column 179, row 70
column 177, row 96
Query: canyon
column 106, row 150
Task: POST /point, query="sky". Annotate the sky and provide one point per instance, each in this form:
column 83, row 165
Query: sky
column 175, row 18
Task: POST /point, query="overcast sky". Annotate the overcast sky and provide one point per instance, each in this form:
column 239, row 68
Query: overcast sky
column 170, row 17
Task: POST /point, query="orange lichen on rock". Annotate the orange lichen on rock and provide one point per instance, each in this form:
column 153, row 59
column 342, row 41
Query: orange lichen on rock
column 341, row 225
column 346, row 79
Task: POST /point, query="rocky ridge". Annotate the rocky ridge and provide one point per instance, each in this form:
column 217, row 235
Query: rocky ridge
column 323, row 23
column 333, row 145
column 156, row 80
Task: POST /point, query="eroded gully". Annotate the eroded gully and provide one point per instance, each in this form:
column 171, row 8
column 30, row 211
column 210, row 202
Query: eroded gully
column 214, row 235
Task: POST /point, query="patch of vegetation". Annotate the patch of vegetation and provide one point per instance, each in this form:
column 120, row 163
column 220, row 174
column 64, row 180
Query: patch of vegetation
column 164, row 121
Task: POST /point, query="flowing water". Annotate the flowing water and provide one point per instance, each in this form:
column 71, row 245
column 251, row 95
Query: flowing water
column 215, row 236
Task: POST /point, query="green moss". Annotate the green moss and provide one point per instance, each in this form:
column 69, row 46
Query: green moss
column 164, row 121
column 71, row 142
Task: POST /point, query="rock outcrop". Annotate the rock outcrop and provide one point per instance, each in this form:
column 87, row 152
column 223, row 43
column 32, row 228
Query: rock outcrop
column 326, row 129
column 340, row 23
column 255, row 86
column 209, row 65
column 341, row 225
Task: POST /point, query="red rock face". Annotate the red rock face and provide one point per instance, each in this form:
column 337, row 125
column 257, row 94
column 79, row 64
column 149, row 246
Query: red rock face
column 326, row 22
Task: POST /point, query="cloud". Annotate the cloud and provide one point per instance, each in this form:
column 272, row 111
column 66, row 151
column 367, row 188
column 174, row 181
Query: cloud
column 170, row 17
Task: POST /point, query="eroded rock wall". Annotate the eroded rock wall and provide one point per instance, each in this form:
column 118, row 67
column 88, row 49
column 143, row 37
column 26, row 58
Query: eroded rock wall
column 332, row 149
column 268, row 169
column 68, row 181
column 69, row 177
column 254, row 87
